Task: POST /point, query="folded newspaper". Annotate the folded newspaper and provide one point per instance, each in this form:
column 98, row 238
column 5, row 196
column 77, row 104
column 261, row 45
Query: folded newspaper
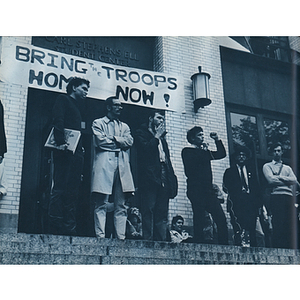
column 71, row 137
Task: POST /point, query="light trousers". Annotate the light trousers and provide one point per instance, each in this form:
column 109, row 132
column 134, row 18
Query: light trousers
column 102, row 206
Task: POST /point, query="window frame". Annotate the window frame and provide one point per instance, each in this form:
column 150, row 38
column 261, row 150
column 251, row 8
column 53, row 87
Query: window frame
column 260, row 116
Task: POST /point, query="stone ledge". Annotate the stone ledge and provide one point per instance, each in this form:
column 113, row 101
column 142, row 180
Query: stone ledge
column 8, row 223
column 51, row 249
column 47, row 259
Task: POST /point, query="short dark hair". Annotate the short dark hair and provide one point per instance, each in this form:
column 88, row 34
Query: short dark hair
column 156, row 111
column 239, row 149
column 75, row 82
column 176, row 218
column 278, row 144
column 192, row 133
column 109, row 101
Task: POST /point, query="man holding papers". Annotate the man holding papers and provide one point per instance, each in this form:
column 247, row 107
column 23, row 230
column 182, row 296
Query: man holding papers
column 67, row 165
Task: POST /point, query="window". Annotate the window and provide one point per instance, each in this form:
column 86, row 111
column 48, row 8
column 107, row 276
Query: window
column 277, row 131
column 259, row 131
column 244, row 131
column 275, row 47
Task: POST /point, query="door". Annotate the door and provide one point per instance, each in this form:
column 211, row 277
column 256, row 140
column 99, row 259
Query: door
column 37, row 163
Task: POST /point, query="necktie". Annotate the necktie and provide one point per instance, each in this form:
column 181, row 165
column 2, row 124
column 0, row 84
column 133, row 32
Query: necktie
column 244, row 184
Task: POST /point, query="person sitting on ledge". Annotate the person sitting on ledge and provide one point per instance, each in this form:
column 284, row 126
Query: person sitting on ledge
column 134, row 224
column 177, row 234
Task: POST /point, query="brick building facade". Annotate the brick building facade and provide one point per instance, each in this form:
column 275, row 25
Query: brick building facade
column 172, row 55
column 183, row 55
column 14, row 99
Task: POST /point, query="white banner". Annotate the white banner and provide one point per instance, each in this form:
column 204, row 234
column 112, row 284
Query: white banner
column 40, row 68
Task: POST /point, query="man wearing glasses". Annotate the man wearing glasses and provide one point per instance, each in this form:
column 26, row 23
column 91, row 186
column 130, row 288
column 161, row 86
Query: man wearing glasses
column 241, row 184
column 111, row 169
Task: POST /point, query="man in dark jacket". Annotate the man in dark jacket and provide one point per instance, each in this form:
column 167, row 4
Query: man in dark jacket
column 197, row 167
column 157, row 181
column 241, row 184
column 67, row 166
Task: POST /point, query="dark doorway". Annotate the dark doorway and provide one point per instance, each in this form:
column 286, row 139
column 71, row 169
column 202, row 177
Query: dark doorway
column 36, row 170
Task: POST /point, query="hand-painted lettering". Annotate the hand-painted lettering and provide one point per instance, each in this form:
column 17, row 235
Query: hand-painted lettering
column 174, row 87
column 38, row 55
column 22, row 54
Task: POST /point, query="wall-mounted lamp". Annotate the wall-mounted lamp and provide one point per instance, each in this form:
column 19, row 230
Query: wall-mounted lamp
column 200, row 89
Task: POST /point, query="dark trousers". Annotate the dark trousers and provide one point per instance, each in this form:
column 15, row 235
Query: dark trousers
column 246, row 213
column 154, row 208
column 202, row 202
column 284, row 219
column 64, row 194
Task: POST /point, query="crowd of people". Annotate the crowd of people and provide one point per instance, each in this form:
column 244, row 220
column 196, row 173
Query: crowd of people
column 254, row 223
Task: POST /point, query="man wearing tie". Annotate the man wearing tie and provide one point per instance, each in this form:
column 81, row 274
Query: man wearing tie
column 111, row 169
column 241, row 183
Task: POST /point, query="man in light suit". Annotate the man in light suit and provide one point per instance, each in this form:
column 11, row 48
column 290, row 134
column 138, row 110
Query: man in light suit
column 111, row 169
column 241, row 184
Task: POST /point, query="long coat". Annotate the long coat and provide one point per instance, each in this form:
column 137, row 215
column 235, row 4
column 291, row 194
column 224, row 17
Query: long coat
column 104, row 157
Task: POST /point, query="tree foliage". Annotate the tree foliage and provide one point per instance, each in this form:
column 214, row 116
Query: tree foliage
column 277, row 131
column 246, row 133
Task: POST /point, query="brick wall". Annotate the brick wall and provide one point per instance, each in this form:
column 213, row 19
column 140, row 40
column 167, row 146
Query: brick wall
column 295, row 42
column 183, row 55
column 295, row 45
column 175, row 55
column 14, row 99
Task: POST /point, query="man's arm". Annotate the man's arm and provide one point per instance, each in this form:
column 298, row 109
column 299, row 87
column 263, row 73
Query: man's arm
column 226, row 181
column 126, row 140
column 221, row 152
column 290, row 178
column 270, row 177
column 102, row 139
column 146, row 143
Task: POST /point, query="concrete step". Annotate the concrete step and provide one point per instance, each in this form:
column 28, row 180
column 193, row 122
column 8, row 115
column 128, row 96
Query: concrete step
column 24, row 248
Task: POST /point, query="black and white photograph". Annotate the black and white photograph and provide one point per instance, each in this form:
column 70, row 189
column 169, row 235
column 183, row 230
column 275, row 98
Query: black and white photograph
column 185, row 150
column 150, row 150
